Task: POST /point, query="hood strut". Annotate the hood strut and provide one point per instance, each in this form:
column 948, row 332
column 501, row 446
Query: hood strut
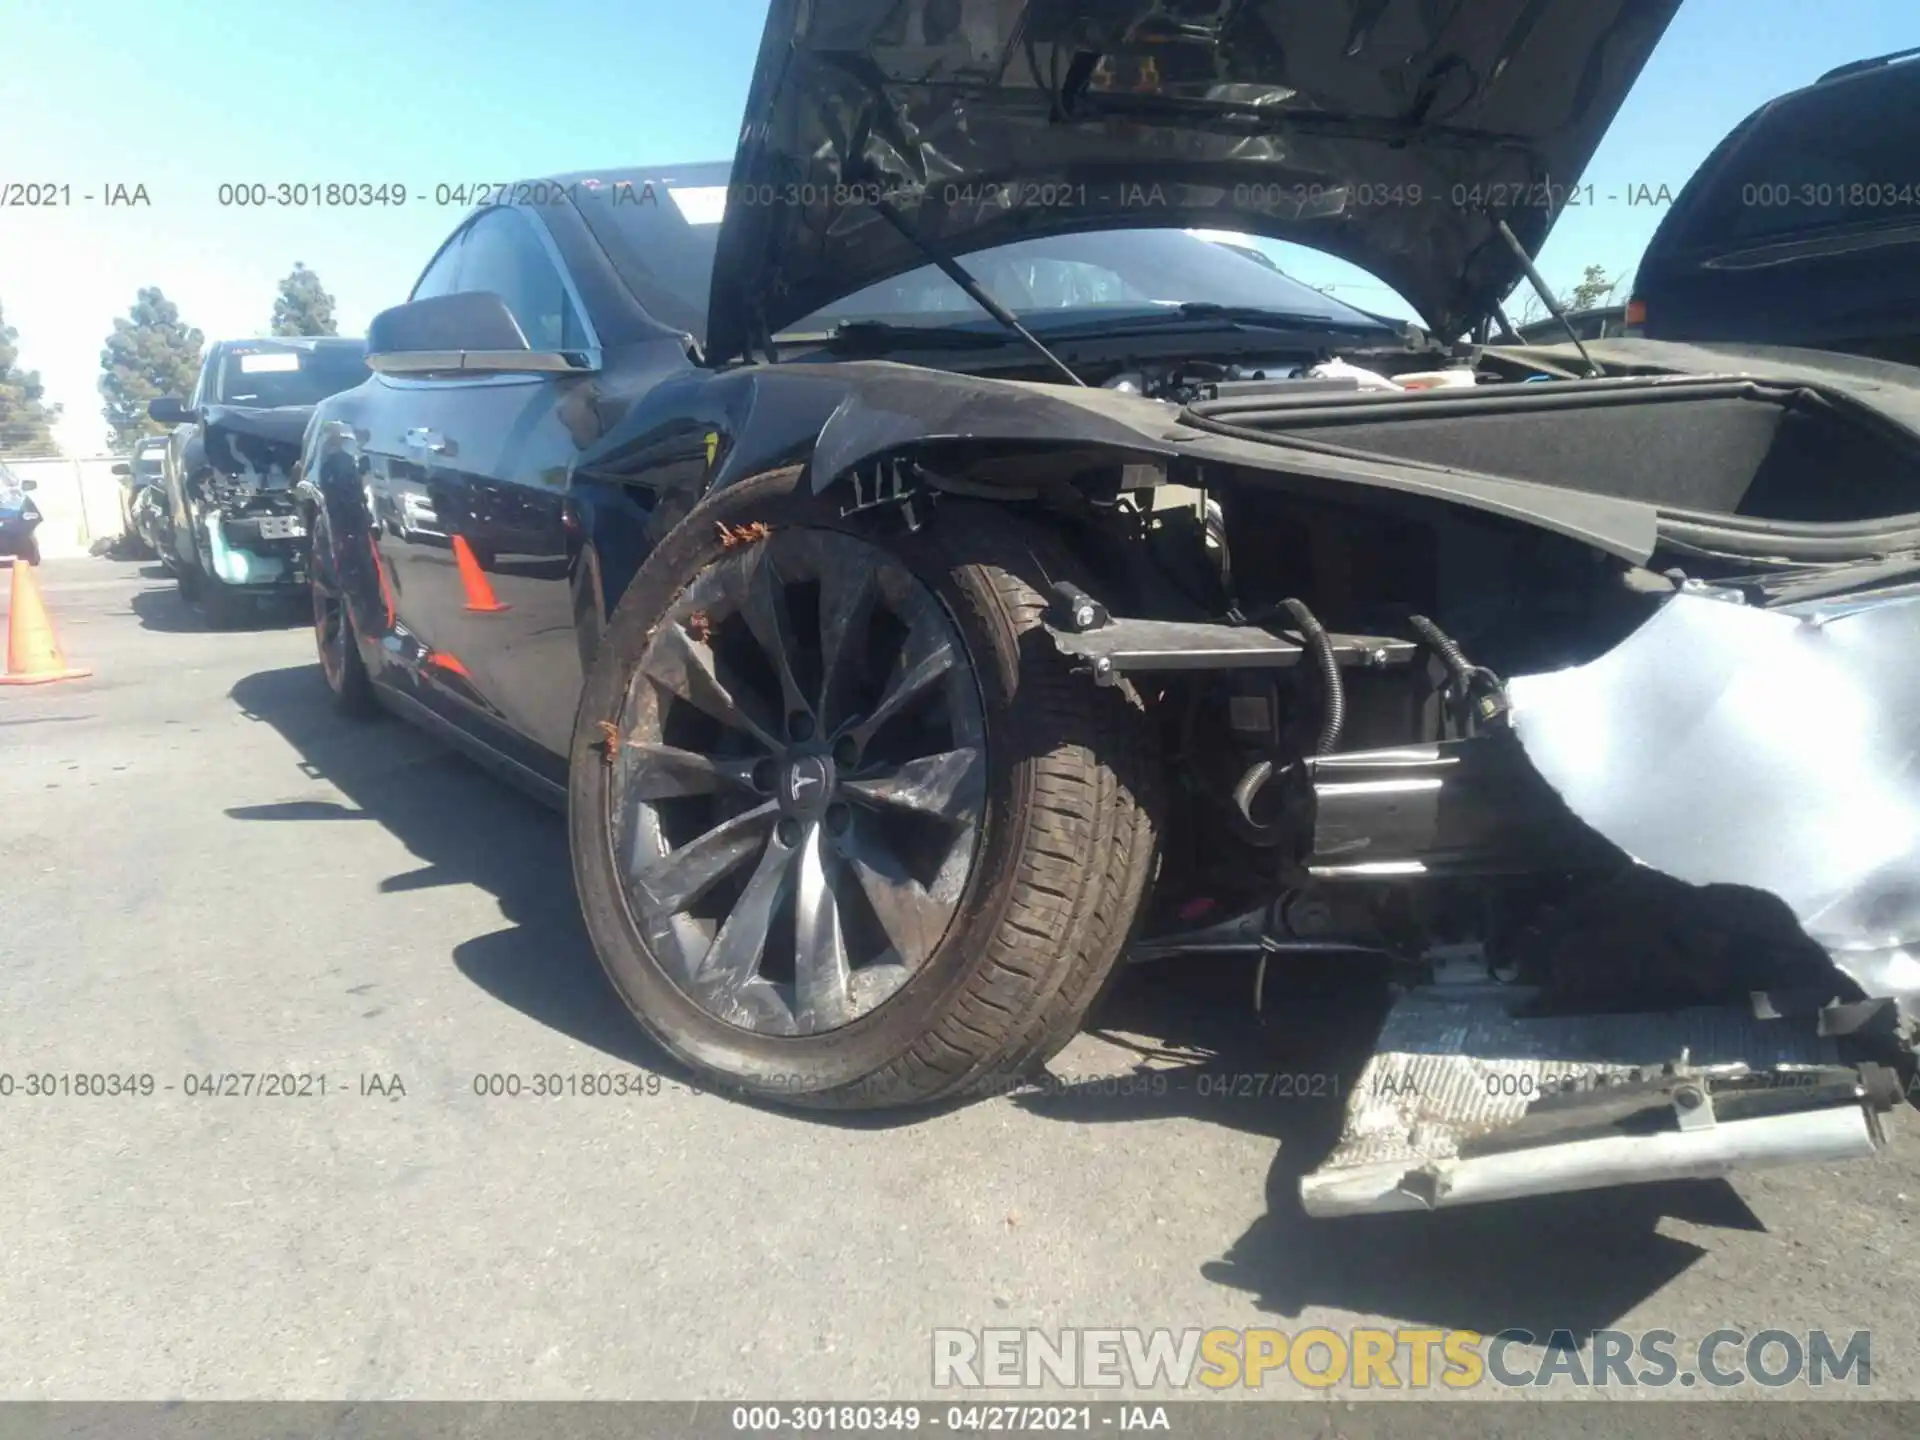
column 1546, row 295
column 957, row 273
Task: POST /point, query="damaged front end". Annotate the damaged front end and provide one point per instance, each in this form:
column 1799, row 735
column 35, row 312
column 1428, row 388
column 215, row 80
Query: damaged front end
column 1652, row 916
column 252, row 523
column 1765, row 758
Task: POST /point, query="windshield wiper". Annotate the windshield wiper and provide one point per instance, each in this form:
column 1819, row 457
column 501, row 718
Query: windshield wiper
column 879, row 336
column 1207, row 312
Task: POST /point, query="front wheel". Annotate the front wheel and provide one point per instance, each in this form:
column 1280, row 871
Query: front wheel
column 334, row 635
column 29, row 552
column 846, row 831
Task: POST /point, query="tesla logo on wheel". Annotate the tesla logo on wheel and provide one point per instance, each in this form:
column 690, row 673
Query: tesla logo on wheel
column 805, row 776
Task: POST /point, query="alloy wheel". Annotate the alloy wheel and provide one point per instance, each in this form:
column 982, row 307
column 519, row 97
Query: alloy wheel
column 800, row 771
column 329, row 628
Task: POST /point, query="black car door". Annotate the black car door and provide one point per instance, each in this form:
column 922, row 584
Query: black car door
column 478, row 549
column 393, row 475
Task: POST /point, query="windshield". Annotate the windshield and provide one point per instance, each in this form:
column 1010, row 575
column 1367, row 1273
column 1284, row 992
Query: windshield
column 1087, row 278
column 665, row 253
column 1833, row 158
column 268, row 377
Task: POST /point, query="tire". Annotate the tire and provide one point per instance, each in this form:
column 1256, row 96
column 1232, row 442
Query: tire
column 336, row 639
column 30, row 551
column 1067, row 795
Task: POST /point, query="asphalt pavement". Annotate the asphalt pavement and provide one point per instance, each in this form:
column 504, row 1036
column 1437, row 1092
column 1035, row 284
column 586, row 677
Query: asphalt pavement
column 208, row 874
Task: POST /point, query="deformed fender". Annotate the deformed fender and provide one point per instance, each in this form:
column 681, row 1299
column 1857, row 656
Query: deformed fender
column 890, row 406
column 912, row 406
column 1777, row 749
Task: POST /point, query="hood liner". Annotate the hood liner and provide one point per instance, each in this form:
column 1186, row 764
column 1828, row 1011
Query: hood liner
column 1392, row 133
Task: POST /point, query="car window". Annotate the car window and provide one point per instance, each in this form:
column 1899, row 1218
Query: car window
column 442, row 276
column 661, row 236
column 1836, row 157
column 503, row 253
column 263, row 375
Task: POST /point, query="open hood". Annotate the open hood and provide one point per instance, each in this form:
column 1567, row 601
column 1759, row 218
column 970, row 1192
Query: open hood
column 1392, row 133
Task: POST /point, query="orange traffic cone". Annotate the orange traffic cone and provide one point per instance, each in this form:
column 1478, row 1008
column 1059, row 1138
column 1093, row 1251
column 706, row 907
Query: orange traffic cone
column 33, row 655
column 479, row 592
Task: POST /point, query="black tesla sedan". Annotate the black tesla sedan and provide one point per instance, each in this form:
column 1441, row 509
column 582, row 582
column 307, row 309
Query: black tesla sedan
column 926, row 566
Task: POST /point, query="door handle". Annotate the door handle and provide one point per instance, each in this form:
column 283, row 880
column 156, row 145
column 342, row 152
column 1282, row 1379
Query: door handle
column 424, row 439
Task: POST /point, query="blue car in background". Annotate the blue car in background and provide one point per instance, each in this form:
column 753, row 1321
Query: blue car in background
column 19, row 518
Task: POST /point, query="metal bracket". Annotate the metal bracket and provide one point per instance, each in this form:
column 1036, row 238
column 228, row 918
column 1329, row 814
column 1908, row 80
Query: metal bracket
column 1116, row 645
column 1693, row 1106
column 1076, row 611
column 888, row 484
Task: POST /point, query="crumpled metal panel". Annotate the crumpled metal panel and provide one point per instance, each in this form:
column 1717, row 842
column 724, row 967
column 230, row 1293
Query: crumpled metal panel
column 1435, row 1116
column 1777, row 749
column 1451, row 1066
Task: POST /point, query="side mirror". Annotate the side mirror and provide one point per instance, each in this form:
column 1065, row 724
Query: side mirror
column 168, row 410
column 29, row 484
column 123, row 468
column 472, row 330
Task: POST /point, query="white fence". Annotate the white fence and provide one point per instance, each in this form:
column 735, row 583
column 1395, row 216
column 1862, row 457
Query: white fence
column 79, row 498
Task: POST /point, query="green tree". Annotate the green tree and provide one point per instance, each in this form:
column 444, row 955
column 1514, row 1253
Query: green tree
column 149, row 354
column 303, row 308
column 1593, row 291
column 26, row 419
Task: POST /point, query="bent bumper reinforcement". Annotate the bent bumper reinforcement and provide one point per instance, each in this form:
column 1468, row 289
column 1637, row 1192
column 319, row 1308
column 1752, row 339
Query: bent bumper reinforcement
column 1844, row 1132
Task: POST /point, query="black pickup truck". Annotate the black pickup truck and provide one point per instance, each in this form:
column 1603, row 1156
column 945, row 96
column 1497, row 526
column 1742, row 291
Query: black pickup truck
column 232, row 530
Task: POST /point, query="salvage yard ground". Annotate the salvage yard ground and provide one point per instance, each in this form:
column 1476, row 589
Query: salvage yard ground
column 207, row 874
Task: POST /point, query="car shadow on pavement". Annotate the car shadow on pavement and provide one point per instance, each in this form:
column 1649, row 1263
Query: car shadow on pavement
column 468, row 828
column 1571, row 1263
column 163, row 610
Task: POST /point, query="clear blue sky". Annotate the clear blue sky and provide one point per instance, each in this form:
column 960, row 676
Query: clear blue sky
column 182, row 96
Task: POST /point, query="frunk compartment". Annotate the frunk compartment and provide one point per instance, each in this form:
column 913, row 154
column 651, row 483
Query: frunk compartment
column 1744, row 448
